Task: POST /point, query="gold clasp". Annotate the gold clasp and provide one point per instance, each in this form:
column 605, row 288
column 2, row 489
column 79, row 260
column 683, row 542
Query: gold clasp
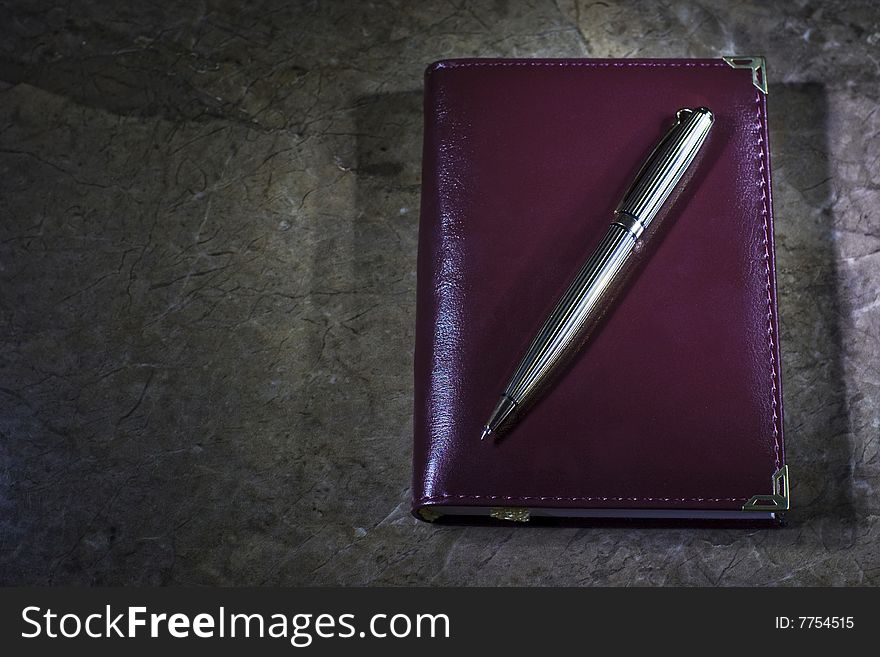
column 513, row 514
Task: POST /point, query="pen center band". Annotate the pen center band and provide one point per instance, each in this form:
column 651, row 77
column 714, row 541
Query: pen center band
column 629, row 223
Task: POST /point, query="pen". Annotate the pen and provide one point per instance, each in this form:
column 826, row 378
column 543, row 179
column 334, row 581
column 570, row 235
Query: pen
column 580, row 306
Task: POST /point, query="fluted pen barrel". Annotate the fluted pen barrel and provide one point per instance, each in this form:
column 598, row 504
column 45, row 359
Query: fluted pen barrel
column 664, row 168
column 592, row 289
column 568, row 319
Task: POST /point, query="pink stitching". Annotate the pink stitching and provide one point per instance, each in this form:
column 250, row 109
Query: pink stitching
column 762, row 169
column 443, row 64
column 426, row 500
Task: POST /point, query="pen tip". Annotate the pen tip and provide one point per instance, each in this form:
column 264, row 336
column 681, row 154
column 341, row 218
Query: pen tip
column 486, row 432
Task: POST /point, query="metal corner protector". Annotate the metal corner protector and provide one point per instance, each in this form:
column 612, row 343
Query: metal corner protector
column 778, row 501
column 758, row 65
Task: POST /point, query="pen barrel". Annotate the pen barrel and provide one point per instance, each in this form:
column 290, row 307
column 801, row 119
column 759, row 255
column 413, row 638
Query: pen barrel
column 588, row 297
column 576, row 312
column 664, row 168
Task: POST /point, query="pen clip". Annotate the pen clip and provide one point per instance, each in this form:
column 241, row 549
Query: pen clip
column 665, row 166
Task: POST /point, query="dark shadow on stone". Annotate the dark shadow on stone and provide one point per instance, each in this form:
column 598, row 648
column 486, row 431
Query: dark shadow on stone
column 816, row 415
column 363, row 298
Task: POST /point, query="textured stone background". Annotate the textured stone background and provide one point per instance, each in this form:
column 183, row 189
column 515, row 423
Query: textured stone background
column 208, row 219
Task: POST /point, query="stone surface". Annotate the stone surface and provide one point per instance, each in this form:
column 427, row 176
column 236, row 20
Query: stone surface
column 208, row 221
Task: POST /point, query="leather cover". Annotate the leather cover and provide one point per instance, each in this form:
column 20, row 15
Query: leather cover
column 676, row 402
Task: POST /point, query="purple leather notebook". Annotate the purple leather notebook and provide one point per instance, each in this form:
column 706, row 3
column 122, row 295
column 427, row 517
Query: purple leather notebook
column 673, row 409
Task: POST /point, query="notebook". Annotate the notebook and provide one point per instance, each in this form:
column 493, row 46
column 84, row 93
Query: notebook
column 673, row 408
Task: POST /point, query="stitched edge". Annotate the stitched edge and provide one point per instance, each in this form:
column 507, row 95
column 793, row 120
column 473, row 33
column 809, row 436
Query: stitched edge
column 435, row 498
column 763, row 171
column 444, row 64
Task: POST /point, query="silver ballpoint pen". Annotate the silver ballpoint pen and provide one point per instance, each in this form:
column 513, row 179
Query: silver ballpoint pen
column 581, row 306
